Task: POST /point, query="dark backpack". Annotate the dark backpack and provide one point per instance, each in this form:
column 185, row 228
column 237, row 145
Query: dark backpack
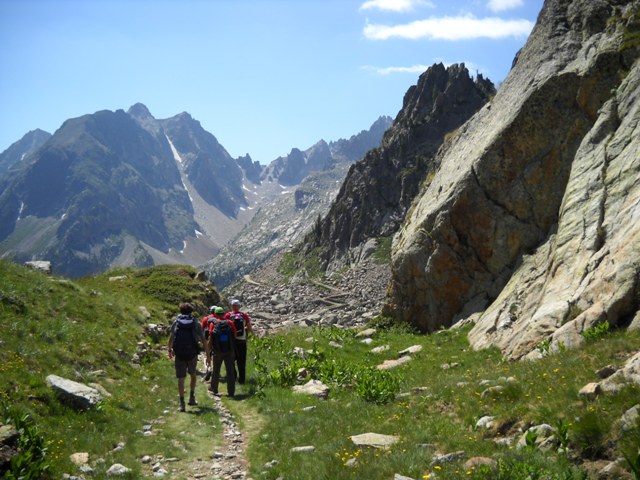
column 185, row 345
column 240, row 323
column 222, row 336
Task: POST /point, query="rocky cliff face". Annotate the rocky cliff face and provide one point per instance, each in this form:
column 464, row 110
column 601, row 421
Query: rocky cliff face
column 531, row 221
column 378, row 190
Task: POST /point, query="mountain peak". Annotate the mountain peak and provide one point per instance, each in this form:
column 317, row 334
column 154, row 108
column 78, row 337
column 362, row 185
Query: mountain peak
column 139, row 111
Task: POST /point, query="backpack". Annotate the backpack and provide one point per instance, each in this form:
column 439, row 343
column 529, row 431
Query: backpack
column 222, row 336
column 240, row 323
column 210, row 319
column 185, row 345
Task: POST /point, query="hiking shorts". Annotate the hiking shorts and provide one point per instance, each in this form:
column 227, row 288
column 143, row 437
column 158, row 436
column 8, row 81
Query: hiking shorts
column 184, row 366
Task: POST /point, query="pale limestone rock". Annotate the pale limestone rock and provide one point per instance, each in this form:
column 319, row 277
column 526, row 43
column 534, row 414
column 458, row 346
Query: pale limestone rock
column 630, row 418
column 393, row 363
column 536, row 204
column 313, row 388
column 79, row 458
column 367, row 333
column 590, row 391
column 630, row 373
column 377, row 440
column 411, row 350
column 380, row 349
column 303, row 449
column 76, row 394
column 118, row 470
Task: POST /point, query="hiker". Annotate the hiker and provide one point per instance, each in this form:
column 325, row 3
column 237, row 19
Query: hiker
column 184, row 344
column 242, row 323
column 222, row 334
column 205, row 322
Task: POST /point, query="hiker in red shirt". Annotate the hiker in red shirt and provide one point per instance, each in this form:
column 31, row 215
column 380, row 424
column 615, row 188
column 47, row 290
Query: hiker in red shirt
column 206, row 321
column 242, row 323
column 222, row 337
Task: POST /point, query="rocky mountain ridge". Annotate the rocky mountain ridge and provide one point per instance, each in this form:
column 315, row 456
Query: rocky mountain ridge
column 283, row 222
column 125, row 188
column 22, row 148
column 379, row 189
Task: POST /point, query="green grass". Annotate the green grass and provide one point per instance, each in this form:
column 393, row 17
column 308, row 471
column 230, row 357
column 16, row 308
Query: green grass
column 438, row 407
column 88, row 331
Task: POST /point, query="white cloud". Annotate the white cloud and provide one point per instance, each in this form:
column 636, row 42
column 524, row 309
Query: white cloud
column 451, row 28
column 394, row 5
column 413, row 69
column 390, row 70
column 502, row 5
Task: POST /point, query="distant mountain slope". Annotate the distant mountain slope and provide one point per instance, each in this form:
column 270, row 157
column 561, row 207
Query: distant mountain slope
column 292, row 209
column 22, row 148
column 100, row 180
column 124, row 188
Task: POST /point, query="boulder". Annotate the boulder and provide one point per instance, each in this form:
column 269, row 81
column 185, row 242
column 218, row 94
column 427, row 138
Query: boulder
column 628, row 374
column 590, row 391
column 313, row 388
column 76, row 395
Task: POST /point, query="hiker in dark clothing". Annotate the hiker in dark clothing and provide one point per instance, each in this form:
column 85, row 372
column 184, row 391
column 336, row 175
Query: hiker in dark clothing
column 242, row 322
column 222, row 337
column 184, row 344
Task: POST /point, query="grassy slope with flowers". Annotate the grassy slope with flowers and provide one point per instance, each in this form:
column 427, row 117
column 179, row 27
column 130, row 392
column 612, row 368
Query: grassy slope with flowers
column 87, row 331
column 439, row 402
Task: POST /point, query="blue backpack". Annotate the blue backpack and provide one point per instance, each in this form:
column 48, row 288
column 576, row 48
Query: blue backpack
column 222, row 336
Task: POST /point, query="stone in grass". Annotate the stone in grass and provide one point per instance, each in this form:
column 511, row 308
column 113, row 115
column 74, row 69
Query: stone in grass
column 369, row 332
column 387, row 364
column 118, row 470
column 313, row 388
column 304, row 449
column 630, row 418
column 77, row 395
column 397, row 476
column 411, row 350
column 376, row 440
column 79, row 458
column 447, row 458
column 380, row 349
column 590, row 391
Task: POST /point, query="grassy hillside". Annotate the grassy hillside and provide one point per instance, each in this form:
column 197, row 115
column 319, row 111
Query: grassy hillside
column 442, row 393
column 88, row 331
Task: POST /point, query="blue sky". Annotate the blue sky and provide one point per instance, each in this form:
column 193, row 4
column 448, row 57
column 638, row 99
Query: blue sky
column 263, row 76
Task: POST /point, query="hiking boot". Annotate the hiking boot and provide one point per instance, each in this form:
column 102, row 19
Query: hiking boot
column 192, row 401
column 182, row 407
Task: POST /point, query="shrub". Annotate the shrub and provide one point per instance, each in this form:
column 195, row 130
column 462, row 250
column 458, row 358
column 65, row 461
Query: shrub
column 596, row 332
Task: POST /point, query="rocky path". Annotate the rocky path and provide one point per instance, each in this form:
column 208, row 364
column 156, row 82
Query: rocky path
column 229, row 461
